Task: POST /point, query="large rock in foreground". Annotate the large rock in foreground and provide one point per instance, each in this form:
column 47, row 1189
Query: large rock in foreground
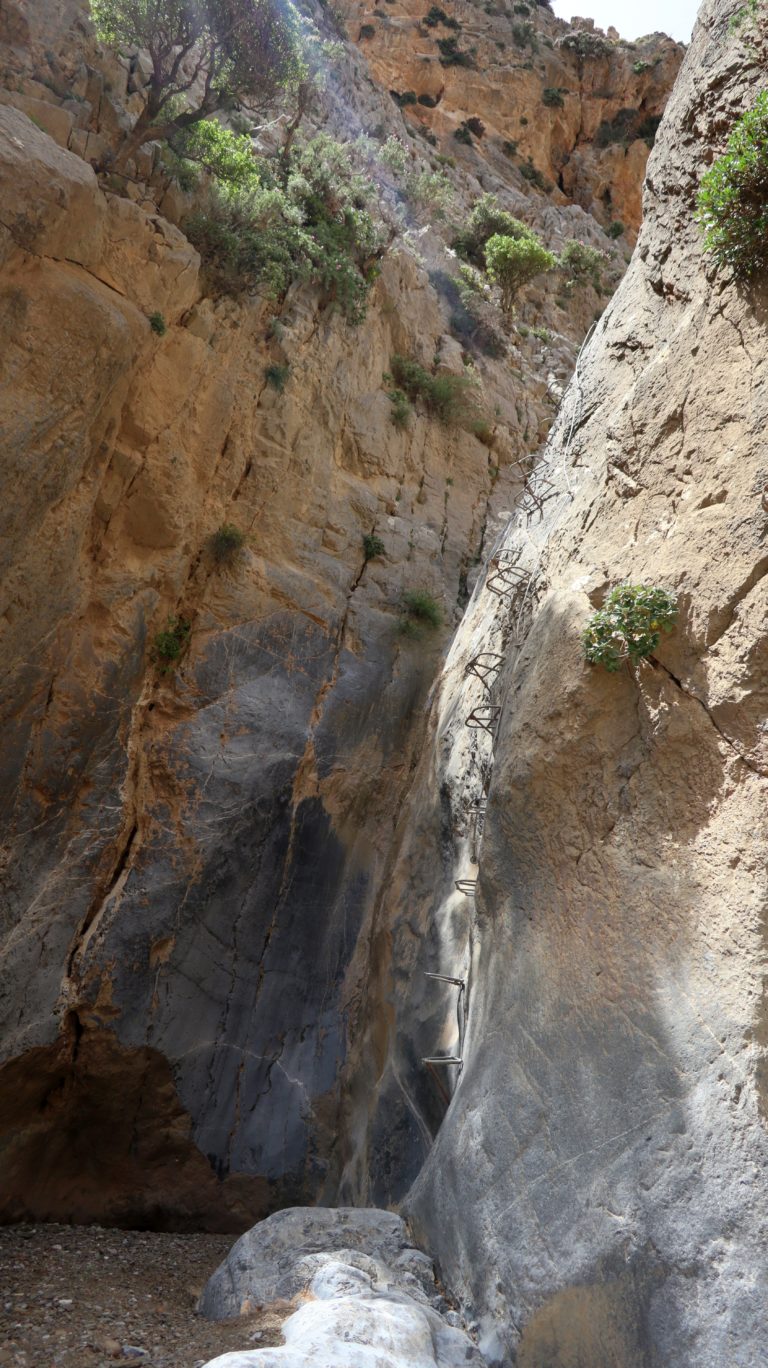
column 368, row 1297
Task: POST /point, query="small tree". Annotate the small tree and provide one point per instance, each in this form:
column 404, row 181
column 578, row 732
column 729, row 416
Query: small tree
column 206, row 55
column 513, row 262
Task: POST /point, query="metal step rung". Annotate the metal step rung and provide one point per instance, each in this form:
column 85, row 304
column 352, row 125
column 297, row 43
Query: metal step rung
column 466, row 886
column 478, row 722
column 445, row 978
column 441, row 1059
column 485, row 664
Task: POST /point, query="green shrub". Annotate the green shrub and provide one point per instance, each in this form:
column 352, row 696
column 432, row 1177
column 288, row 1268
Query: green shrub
column 208, row 146
column 629, row 626
column 463, row 135
column 401, row 408
column 551, row 97
column 276, row 375
column 170, row 644
column 367, row 30
column 514, row 261
column 543, row 334
column 580, row 263
column 615, row 229
column 452, row 55
column 733, row 197
column 448, row 397
column 620, row 129
column 509, row 147
column 486, row 217
column 435, row 16
column 532, row 174
column 524, row 35
column 372, row 546
column 157, row 324
column 422, row 612
column 226, row 543
column 640, row 66
column 407, row 97
column 318, row 227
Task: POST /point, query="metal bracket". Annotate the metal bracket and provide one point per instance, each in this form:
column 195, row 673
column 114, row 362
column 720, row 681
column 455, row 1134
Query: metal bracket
column 446, row 978
column 466, row 886
column 485, row 666
column 441, row 1059
column 484, row 718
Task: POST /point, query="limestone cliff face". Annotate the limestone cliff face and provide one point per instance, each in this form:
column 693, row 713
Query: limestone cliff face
column 193, row 860
column 574, row 105
column 597, row 1190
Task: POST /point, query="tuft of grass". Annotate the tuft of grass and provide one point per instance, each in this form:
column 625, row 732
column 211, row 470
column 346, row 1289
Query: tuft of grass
column 169, row 645
column 402, row 409
column 372, row 546
column 421, row 613
column 226, row 543
column 276, row 375
column 157, row 324
column 445, row 396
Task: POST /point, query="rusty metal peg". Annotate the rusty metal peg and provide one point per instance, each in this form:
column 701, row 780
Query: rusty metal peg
column 445, row 978
column 484, row 717
column 466, row 886
column 506, row 579
column 484, row 665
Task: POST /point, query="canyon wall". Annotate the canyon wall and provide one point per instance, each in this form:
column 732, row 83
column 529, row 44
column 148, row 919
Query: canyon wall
column 193, row 857
column 597, row 1190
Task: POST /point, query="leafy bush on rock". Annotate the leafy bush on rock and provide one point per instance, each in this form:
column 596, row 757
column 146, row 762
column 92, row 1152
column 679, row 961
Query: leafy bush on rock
column 629, row 625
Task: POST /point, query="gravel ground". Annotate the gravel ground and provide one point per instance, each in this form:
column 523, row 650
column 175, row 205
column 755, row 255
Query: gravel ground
column 85, row 1297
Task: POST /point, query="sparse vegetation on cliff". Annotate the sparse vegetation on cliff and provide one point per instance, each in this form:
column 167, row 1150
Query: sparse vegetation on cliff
column 316, row 224
column 515, row 261
column 170, row 644
column 226, row 543
column 581, row 264
column 448, row 397
column 422, row 613
column 629, row 626
column 733, row 197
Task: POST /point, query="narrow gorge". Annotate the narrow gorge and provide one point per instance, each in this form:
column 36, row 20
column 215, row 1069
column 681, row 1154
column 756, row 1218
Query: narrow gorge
column 307, row 786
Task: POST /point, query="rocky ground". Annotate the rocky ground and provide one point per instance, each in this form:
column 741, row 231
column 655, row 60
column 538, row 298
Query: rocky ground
column 86, row 1297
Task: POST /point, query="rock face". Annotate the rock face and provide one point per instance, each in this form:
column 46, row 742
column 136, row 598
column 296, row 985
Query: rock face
column 597, row 1190
column 564, row 109
column 193, row 859
column 368, row 1296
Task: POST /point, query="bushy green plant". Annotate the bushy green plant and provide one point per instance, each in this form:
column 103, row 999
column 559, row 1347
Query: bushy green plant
column 581, row 263
column 534, row 176
column 486, row 217
column 524, row 35
column 640, row 66
column 367, row 30
column 509, row 147
column 372, row 546
column 319, row 227
column 514, row 262
column 447, row 396
column 622, row 128
column 157, row 324
column 733, row 197
column 401, row 411
column 615, row 229
column 435, row 16
column 276, row 375
column 422, row 611
column 463, row 135
column 452, row 55
column 629, row 626
column 226, row 543
column 210, row 147
column 169, row 645
column 551, row 97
